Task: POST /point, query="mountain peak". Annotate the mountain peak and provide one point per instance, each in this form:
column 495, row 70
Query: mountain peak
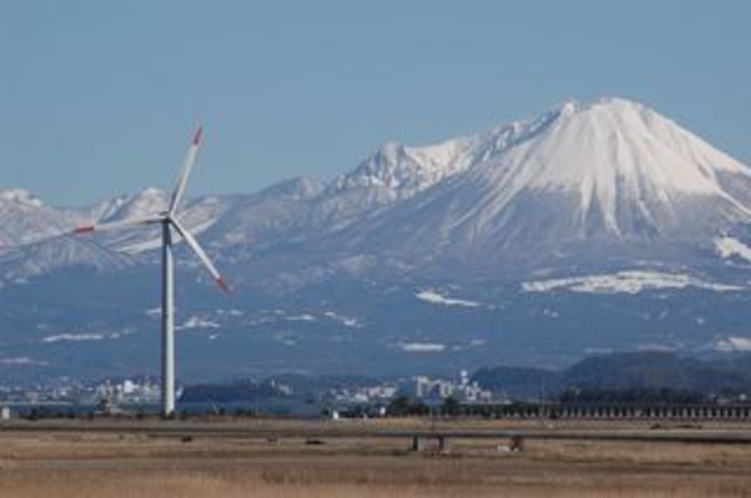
column 148, row 202
column 611, row 173
column 613, row 155
column 301, row 187
column 404, row 171
column 151, row 192
column 20, row 197
column 611, row 102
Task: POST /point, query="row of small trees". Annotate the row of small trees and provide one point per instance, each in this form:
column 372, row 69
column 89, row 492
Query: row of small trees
column 404, row 406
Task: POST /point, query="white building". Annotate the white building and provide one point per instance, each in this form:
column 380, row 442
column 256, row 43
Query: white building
column 463, row 391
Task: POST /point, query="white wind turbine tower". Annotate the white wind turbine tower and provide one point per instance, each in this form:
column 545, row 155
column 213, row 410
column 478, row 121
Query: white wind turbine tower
column 169, row 221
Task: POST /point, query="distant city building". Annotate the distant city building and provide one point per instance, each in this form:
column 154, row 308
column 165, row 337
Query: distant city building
column 438, row 390
column 128, row 391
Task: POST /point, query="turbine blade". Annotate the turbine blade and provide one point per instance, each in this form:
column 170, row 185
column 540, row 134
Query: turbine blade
column 182, row 179
column 199, row 252
column 117, row 225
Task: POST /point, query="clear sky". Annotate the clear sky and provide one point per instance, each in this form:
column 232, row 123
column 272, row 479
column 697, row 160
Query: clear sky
column 99, row 97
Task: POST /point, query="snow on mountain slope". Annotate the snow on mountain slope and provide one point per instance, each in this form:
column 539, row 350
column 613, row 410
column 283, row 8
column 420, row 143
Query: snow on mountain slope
column 613, row 177
column 395, row 173
column 25, row 219
column 36, row 239
column 254, row 221
column 21, row 198
column 729, row 247
column 607, row 181
column 615, row 150
column 196, row 214
column 40, row 258
column 402, row 171
column 629, row 282
column 732, row 344
column 399, row 172
column 433, row 297
column 148, row 202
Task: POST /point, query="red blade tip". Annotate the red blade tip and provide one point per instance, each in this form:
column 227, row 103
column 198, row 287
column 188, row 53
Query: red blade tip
column 85, row 229
column 197, row 136
column 223, row 285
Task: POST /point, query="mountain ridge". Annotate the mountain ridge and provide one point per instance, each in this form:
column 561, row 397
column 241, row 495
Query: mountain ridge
column 521, row 202
column 590, row 227
column 608, row 173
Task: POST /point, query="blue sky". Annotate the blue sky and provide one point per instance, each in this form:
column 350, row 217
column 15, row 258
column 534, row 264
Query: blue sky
column 99, row 97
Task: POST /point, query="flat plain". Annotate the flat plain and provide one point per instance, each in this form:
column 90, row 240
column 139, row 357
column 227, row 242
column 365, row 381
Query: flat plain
column 370, row 458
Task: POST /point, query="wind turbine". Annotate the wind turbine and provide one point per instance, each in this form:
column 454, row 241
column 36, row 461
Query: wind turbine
column 169, row 221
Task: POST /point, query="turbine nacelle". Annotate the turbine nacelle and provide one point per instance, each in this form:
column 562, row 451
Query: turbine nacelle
column 169, row 216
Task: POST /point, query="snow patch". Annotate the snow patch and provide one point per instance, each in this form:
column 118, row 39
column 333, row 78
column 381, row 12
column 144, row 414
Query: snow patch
column 154, row 311
column 305, row 317
column 21, row 361
column 422, row 347
column 195, row 322
column 550, row 313
column 656, row 348
column 728, row 247
column 628, row 282
column 74, row 337
column 433, row 297
column 732, row 344
column 231, row 312
column 344, row 320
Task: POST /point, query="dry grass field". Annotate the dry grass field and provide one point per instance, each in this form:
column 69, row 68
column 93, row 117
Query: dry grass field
column 75, row 461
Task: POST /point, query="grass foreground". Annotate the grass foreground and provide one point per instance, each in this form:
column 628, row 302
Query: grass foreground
column 76, row 461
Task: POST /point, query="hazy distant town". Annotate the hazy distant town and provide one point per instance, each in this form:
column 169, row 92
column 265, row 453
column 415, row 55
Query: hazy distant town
column 121, row 395
column 625, row 380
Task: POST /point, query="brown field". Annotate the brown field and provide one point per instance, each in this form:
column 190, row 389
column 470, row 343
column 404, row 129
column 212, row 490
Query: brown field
column 282, row 459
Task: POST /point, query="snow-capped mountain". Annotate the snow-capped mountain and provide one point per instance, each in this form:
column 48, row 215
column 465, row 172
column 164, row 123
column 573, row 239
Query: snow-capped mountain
column 577, row 180
column 513, row 243
column 613, row 174
column 397, row 171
